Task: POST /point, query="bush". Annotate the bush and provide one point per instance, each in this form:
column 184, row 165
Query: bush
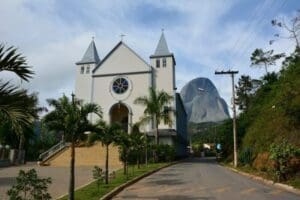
column 165, row 153
column 29, row 186
column 282, row 154
column 246, row 156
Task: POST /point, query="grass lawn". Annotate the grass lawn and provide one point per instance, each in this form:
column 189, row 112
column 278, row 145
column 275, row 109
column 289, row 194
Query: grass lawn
column 91, row 191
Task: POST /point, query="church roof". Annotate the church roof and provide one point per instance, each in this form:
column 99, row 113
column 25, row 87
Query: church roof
column 162, row 47
column 91, row 55
column 113, row 50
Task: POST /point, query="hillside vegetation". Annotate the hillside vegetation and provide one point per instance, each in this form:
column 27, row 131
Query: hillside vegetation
column 274, row 111
column 268, row 124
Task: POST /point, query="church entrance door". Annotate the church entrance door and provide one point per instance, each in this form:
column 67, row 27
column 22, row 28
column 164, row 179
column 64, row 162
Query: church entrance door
column 119, row 113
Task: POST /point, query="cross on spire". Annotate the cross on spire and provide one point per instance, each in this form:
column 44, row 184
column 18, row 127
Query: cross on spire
column 121, row 36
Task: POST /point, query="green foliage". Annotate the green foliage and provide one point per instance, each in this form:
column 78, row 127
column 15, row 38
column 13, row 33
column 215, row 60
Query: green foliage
column 245, row 156
column 156, row 108
column 71, row 118
column 281, row 154
column 274, row 112
column 265, row 58
column 14, row 62
column 244, row 91
column 98, row 176
column 29, row 186
column 107, row 134
column 165, row 153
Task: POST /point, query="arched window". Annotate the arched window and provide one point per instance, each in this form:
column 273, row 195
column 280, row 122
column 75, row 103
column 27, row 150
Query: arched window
column 164, row 62
column 157, row 63
column 87, row 69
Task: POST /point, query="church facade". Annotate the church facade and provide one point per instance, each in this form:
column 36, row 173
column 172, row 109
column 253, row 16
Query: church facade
column 115, row 81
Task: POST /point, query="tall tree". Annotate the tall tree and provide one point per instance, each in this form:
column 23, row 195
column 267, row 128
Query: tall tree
column 71, row 117
column 107, row 134
column 264, row 58
column 243, row 91
column 156, row 109
column 17, row 108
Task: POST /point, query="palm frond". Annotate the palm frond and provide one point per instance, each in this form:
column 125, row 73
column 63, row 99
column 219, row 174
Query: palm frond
column 11, row 61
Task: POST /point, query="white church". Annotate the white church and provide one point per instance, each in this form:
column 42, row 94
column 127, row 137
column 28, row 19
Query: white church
column 115, row 81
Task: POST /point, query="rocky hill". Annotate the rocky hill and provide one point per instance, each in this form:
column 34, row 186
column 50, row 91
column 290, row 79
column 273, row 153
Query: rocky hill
column 203, row 102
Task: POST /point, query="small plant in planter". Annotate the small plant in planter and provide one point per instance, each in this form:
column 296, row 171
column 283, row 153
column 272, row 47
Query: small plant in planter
column 29, row 186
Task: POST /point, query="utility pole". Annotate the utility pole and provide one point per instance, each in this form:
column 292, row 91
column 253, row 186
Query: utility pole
column 232, row 73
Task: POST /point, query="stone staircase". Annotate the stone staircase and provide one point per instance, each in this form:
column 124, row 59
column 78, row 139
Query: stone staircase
column 86, row 156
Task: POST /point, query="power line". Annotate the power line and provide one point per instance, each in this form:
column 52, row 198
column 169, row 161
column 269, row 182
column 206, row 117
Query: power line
column 258, row 9
column 261, row 23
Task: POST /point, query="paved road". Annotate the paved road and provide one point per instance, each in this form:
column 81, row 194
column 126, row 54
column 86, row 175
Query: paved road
column 201, row 179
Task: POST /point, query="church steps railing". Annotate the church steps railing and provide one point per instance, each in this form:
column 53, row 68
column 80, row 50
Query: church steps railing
column 52, row 151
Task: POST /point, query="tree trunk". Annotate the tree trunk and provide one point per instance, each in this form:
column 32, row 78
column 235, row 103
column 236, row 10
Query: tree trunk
column 156, row 130
column 124, row 167
column 266, row 68
column 20, row 154
column 146, row 152
column 157, row 134
column 106, row 165
column 72, row 175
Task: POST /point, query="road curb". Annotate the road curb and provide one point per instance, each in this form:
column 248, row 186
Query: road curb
column 266, row 181
column 118, row 189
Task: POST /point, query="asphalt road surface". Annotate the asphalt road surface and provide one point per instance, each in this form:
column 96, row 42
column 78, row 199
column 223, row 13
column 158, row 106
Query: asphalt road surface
column 202, row 179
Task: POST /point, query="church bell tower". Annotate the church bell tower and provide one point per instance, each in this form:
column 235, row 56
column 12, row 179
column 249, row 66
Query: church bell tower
column 84, row 71
column 163, row 63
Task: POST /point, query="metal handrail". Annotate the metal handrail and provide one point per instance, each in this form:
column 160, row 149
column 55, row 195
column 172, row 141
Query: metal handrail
column 54, row 149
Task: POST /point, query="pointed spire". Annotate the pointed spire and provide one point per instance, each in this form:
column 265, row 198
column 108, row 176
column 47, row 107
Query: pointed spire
column 90, row 55
column 162, row 47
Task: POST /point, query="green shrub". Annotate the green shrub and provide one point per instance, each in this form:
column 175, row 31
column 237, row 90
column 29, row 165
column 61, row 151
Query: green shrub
column 246, row 156
column 165, row 153
column 281, row 154
column 29, row 186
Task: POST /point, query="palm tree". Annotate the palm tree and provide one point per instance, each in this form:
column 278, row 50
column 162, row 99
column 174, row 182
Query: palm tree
column 107, row 134
column 71, row 117
column 17, row 108
column 156, row 109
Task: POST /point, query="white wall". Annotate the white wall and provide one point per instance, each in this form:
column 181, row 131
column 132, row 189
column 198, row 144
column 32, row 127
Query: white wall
column 106, row 98
column 122, row 60
column 83, row 83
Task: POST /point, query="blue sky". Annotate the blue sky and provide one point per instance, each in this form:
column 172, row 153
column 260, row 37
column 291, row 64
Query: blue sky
column 204, row 35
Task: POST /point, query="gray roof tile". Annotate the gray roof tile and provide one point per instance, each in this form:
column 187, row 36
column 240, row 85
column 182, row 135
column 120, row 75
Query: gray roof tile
column 91, row 55
column 162, row 47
